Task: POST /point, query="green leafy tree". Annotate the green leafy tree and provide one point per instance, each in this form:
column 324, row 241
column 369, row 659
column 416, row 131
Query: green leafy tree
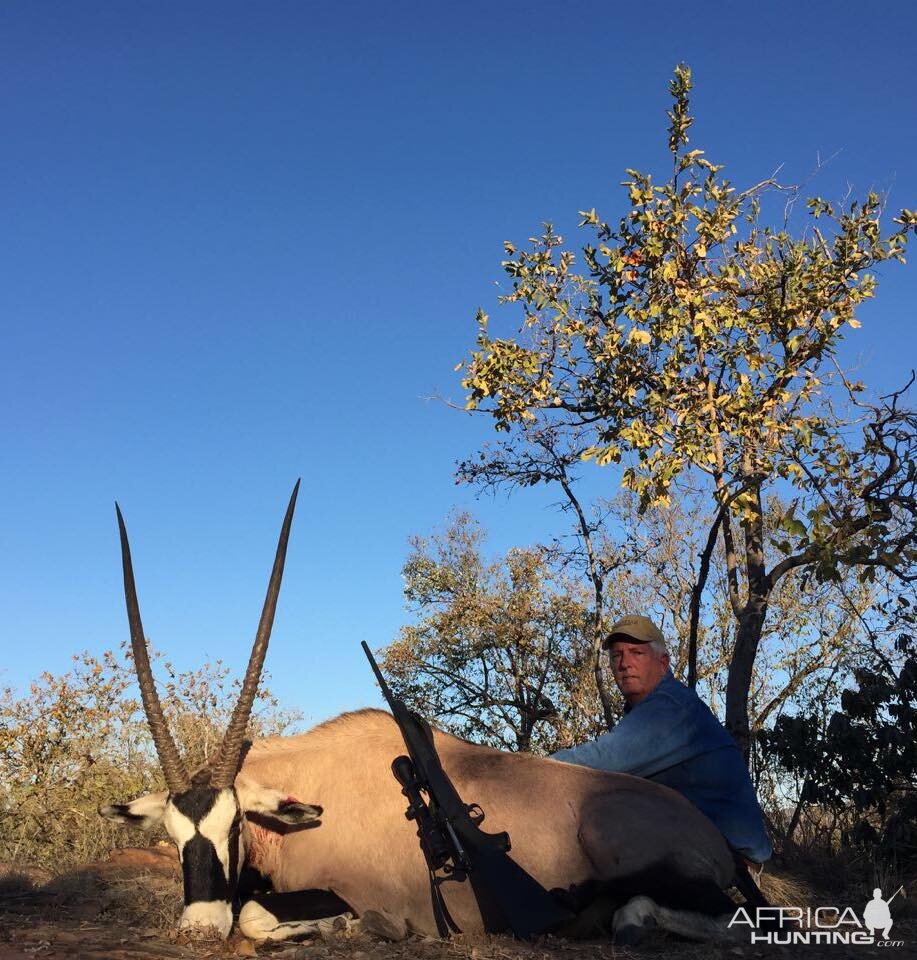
column 545, row 456
column 498, row 651
column 700, row 345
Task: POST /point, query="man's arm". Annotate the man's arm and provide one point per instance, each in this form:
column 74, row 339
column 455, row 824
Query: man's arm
column 652, row 737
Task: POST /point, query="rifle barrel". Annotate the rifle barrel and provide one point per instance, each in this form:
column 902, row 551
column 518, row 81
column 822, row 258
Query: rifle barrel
column 383, row 686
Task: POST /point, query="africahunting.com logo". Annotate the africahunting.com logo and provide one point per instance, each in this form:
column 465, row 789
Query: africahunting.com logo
column 807, row 925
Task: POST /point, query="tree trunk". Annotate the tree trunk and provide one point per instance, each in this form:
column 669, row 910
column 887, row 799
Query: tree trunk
column 697, row 593
column 598, row 585
column 601, row 685
column 738, row 684
column 788, row 841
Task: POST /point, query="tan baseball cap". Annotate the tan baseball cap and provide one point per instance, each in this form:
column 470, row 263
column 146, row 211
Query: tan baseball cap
column 634, row 629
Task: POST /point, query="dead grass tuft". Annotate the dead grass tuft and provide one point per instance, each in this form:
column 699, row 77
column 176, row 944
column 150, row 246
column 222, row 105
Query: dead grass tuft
column 151, row 900
column 782, row 888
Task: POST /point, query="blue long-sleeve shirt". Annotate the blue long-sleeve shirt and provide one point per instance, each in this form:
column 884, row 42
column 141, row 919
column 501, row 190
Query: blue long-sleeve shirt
column 671, row 737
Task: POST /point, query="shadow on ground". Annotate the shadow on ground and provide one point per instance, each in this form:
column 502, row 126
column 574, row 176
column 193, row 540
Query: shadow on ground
column 126, row 908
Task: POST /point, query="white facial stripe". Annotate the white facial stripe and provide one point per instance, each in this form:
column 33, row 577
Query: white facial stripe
column 215, row 826
column 257, row 799
column 179, row 827
column 207, row 913
column 150, row 807
column 144, row 812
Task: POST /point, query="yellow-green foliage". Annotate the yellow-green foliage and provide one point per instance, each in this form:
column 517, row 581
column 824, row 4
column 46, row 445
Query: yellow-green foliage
column 498, row 652
column 694, row 342
column 76, row 741
column 699, row 336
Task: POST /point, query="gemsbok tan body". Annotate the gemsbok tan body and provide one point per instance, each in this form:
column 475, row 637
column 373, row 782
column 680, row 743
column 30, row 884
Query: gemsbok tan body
column 322, row 811
column 572, row 828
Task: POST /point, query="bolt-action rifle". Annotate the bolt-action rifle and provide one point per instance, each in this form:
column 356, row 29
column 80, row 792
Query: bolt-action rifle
column 453, row 843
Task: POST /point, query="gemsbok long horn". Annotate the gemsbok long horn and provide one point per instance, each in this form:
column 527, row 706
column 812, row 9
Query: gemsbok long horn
column 230, row 755
column 172, row 767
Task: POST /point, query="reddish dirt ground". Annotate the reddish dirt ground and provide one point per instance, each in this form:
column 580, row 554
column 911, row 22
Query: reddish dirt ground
column 126, row 907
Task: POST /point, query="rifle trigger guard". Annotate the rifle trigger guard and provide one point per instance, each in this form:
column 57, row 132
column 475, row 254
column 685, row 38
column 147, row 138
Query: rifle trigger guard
column 475, row 813
column 453, row 871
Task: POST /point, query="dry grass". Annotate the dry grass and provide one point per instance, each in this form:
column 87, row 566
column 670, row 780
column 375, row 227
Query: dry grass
column 781, row 887
column 107, row 912
column 148, row 900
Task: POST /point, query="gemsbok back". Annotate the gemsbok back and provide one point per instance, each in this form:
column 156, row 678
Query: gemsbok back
column 623, row 853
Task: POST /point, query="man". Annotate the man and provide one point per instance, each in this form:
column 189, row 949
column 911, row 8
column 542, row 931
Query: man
column 668, row 735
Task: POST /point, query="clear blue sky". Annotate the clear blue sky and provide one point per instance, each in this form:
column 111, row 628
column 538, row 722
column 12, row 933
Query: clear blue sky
column 243, row 242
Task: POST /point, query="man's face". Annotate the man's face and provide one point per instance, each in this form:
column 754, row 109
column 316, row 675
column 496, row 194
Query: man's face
column 637, row 669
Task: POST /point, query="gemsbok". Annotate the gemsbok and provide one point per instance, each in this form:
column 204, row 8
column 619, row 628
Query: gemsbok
column 321, row 811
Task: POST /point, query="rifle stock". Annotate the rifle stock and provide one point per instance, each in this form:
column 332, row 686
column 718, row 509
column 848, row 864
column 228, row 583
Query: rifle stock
column 508, row 897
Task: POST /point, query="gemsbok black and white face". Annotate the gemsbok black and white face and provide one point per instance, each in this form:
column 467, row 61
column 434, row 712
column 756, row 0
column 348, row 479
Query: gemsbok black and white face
column 203, row 813
column 205, row 823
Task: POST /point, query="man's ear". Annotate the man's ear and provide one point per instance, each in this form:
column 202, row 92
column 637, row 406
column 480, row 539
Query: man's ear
column 144, row 812
column 274, row 804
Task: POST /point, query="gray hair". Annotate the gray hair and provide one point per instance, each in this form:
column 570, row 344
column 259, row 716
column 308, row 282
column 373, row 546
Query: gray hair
column 657, row 646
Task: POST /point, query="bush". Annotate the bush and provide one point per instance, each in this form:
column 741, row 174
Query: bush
column 80, row 740
column 863, row 761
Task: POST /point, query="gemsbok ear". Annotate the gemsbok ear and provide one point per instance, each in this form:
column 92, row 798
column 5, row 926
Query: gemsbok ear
column 144, row 812
column 274, row 804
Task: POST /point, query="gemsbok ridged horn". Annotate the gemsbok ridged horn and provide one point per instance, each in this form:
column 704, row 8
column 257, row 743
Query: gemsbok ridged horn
column 173, row 769
column 230, row 756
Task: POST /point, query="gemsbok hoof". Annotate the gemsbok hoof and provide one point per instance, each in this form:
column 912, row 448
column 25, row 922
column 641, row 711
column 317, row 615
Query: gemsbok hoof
column 634, row 921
